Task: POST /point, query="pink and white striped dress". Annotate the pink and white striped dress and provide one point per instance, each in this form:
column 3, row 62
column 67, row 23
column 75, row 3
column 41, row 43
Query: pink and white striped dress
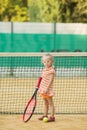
column 45, row 81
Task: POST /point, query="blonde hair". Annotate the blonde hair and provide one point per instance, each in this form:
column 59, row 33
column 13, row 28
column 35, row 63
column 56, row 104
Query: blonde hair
column 48, row 56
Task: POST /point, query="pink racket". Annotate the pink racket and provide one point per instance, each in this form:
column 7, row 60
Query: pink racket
column 31, row 105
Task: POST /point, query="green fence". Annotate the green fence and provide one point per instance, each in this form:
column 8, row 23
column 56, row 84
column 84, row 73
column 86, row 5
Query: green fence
column 39, row 37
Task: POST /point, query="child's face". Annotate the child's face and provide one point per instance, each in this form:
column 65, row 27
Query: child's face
column 47, row 62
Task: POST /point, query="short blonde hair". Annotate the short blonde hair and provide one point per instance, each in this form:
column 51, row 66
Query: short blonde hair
column 48, row 56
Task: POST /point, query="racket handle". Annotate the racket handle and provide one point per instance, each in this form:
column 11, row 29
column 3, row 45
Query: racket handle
column 39, row 81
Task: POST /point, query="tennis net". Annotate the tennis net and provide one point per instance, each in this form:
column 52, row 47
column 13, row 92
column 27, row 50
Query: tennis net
column 19, row 73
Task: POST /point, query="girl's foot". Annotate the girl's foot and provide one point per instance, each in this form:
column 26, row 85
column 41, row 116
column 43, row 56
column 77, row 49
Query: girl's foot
column 51, row 119
column 41, row 118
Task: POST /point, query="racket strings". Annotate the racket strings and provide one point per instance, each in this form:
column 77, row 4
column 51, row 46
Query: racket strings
column 29, row 110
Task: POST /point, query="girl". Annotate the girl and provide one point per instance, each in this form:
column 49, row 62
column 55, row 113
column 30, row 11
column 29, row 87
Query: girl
column 46, row 87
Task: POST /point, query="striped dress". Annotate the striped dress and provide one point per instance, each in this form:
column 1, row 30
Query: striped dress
column 45, row 81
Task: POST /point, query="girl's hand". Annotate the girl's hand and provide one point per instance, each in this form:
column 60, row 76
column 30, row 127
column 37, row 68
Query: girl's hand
column 46, row 91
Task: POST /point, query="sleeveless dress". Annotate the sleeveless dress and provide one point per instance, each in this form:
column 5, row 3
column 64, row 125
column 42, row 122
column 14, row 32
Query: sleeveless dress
column 45, row 81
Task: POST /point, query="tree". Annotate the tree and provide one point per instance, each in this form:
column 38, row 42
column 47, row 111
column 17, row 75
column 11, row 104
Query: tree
column 44, row 10
column 13, row 11
column 58, row 10
column 80, row 12
column 64, row 11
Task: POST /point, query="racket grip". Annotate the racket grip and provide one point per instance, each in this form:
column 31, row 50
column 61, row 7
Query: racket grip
column 39, row 81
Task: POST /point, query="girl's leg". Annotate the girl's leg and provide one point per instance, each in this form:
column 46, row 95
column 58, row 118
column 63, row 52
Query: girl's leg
column 45, row 109
column 51, row 105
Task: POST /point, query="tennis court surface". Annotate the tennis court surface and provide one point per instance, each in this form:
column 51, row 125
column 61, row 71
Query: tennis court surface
column 63, row 122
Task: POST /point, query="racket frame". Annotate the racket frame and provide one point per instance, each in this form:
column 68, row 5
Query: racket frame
column 33, row 96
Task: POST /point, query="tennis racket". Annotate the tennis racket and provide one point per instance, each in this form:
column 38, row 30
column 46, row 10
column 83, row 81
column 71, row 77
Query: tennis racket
column 31, row 105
